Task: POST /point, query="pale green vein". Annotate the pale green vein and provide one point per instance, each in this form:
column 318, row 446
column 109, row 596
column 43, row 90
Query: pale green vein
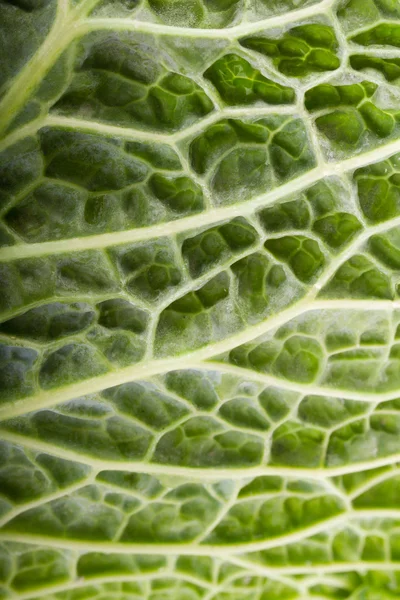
column 212, row 216
column 226, row 33
column 46, row 398
column 191, row 549
column 198, row 473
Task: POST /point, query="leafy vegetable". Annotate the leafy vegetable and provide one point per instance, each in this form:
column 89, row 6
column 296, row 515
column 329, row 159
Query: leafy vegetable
column 199, row 299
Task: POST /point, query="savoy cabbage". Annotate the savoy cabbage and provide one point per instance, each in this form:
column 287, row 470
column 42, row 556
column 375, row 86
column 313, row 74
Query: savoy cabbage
column 200, row 299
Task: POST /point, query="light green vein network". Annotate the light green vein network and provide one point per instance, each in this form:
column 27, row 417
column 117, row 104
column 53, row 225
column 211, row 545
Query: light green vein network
column 199, row 299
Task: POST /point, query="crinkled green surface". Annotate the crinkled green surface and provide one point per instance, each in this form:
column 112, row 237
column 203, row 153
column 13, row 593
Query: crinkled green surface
column 199, row 299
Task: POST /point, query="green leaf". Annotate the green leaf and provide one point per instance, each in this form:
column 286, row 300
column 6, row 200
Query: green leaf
column 199, row 300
